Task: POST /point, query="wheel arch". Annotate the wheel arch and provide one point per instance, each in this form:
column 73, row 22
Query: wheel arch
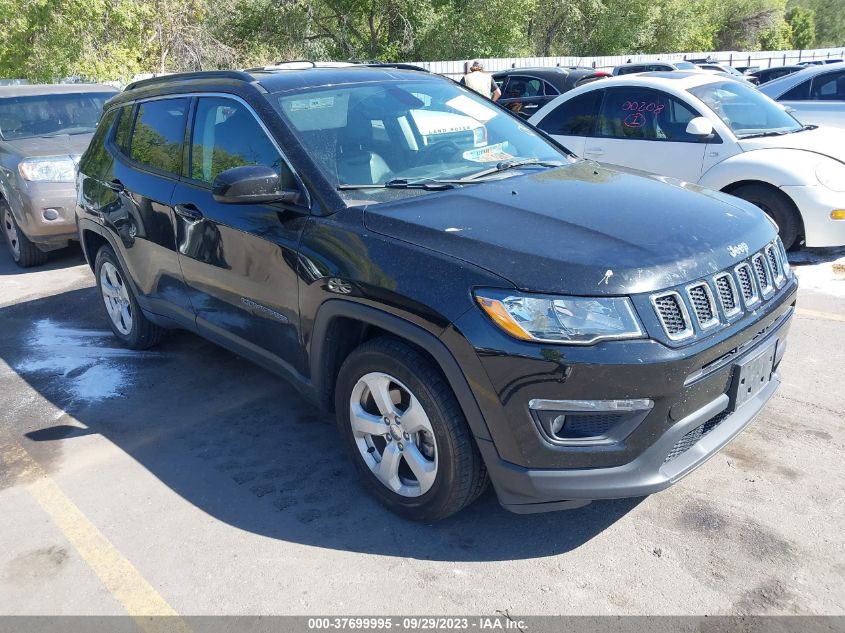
column 729, row 189
column 342, row 325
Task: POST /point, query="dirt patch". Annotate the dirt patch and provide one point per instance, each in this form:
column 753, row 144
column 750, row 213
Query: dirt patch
column 36, row 566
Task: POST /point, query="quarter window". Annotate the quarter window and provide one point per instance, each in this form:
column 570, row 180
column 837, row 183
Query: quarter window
column 227, row 135
column 159, row 134
column 575, row 117
column 645, row 115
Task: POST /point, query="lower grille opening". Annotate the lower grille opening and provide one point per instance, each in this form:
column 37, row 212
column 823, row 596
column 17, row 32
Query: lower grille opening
column 689, row 440
column 576, row 426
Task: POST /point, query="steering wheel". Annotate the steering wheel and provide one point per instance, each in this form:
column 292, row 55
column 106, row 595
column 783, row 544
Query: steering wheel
column 441, row 151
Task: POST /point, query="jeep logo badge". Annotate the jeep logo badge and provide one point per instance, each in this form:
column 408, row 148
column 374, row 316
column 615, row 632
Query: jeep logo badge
column 738, row 249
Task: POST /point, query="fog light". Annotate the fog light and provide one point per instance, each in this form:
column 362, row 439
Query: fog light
column 837, row 214
column 588, row 422
column 50, row 214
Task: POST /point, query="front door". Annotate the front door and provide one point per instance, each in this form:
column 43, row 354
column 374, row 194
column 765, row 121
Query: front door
column 239, row 260
column 645, row 129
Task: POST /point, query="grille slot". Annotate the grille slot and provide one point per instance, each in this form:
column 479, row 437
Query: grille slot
column 689, row 440
column 673, row 315
column 773, row 256
column 703, row 304
column 764, row 278
column 746, row 284
column 726, row 287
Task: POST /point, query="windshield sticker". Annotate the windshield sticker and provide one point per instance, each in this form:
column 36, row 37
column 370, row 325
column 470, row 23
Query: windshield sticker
column 489, row 154
column 470, row 107
column 311, row 104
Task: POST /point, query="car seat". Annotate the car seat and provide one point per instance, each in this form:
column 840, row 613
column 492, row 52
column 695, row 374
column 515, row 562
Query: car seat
column 356, row 162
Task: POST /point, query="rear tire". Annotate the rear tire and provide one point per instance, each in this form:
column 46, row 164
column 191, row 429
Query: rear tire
column 420, row 459
column 778, row 207
column 23, row 251
column 125, row 317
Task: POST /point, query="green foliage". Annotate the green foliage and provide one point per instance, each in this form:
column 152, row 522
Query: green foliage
column 802, row 21
column 115, row 39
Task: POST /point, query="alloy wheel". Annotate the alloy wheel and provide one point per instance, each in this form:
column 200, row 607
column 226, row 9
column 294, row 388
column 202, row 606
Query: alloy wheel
column 394, row 435
column 116, row 297
column 11, row 231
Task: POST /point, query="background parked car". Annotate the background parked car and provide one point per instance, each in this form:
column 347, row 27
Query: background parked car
column 526, row 90
column 816, row 95
column 770, row 74
column 730, row 70
column 717, row 132
column 647, row 67
column 43, row 131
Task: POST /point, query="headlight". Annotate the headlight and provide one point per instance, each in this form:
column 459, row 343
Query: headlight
column 50, row 169
column 568, row 320
column 831, row 174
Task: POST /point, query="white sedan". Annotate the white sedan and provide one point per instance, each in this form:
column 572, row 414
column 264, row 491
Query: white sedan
column 719, row 133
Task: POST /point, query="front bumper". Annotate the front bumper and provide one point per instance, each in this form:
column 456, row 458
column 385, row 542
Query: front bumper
column 815, row 204
column 30, row 204
column 689, row 387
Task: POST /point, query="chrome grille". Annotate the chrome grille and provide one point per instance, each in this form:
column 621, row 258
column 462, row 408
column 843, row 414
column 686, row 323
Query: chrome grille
column 746, row 284
column 673, row 315
column 750, row 282
column 764, row 278
column 726, row 287
column 773, row 257
column 703, row 304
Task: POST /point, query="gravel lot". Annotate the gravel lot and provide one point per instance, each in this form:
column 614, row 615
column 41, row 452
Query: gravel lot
column 186, row 480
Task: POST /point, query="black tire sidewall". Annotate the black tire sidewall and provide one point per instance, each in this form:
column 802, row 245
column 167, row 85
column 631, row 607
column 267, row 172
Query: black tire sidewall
column 106, row 254
column 773, row 205
column 432, row 502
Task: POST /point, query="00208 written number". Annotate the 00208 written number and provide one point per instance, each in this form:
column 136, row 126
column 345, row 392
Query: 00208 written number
column 643, row 106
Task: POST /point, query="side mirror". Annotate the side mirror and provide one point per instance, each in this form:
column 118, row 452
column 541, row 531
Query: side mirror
column 251, row 184
column 700, row 127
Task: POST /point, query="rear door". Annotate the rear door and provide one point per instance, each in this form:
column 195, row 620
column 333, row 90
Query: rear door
column 148, row 145
column 645, row 129
column 239, row 260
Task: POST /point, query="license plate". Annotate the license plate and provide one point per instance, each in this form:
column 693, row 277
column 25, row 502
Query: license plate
column 752, row 375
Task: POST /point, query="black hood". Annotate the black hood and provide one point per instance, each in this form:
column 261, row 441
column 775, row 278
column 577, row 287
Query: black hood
column 561, row 230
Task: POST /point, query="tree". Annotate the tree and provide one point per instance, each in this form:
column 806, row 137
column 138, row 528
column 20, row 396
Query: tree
column 803, row 24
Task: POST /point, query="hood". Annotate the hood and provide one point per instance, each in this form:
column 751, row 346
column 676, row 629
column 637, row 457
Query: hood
column 72, row 144
column 828, row 141
column 563, row 230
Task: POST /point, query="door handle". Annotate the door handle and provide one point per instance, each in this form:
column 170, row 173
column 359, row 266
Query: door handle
column 530, row 106
column 188, row 211
column 116, row 186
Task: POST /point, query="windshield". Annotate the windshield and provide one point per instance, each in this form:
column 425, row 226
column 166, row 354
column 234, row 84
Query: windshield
column 406, row 132
column 50, row 115
column 745, row 110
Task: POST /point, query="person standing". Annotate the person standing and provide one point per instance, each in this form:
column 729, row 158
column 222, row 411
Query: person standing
column 481, row 82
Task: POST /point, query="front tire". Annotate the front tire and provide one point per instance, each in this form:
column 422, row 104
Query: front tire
column 406, row 432
column 23, row 251
column 127, row 321
column 778, row 207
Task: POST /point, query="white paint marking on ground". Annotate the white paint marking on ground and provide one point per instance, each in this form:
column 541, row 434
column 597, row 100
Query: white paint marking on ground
column 89, row 370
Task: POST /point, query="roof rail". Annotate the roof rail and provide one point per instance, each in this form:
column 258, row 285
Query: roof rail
column 397, row 65
column 204, row 74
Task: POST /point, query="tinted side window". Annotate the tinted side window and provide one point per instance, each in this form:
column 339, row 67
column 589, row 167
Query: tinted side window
column 159, row 134
column 801, row 92
column 124, row 128
column 549, row 89
column 519, row 86
column 96, row 159
column 226, row 135
column 576, row 117
column 829, row 87
column 638, row 113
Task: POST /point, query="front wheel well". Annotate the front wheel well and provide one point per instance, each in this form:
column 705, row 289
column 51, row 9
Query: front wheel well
column 731, row 188
column 92, row 242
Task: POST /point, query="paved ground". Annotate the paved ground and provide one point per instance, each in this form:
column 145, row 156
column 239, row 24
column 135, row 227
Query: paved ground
column 186, row 480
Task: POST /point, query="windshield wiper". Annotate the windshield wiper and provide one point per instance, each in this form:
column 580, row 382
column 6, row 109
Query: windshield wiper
column 511, row 164
column 402, row 183
column 764, row 134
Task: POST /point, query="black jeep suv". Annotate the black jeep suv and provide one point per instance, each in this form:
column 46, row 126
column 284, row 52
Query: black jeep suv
column 473, row 301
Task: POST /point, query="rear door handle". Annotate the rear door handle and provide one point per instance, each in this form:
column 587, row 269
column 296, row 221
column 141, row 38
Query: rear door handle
column 188, row 211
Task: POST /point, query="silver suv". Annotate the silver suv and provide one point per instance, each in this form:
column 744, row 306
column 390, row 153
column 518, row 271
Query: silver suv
column 44, row 129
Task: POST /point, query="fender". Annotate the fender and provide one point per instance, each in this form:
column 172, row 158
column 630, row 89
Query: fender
column 776, row 166
column 333, row 308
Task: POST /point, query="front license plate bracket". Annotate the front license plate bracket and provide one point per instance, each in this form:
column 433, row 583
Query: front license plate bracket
column 751, row 376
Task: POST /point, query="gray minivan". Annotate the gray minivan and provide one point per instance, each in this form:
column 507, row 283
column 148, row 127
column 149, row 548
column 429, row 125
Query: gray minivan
column 44, row 129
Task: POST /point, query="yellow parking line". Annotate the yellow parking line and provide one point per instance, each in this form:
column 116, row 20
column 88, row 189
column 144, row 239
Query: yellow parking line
column 816, row 314
column 119, row 576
